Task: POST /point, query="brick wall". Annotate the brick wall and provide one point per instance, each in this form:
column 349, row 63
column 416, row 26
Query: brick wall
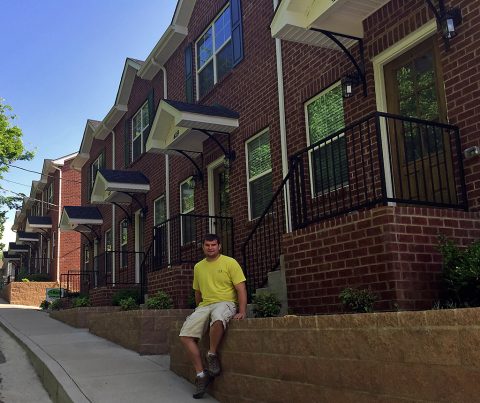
column 391, row 250
column 384, row 357
column 31, row 294
column 176, row 281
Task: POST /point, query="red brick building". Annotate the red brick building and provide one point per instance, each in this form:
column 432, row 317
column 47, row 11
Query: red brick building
column 339, row 136
column 41, row 247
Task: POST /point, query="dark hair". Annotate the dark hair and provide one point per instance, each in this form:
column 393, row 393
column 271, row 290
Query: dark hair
column 211, row 238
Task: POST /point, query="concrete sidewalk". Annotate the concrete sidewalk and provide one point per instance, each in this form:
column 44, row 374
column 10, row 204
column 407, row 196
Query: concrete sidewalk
column 77, row 366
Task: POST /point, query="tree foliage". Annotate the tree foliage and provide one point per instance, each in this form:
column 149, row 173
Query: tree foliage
column 11, row 149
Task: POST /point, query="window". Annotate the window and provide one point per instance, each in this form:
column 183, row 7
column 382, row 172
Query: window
column 259, row 173
column 187, row 205
column 160, row 211
column 140, row 125
column 86, row 257
column 123, row 243
column 49, row 196
column 214, row 55
column 328, row 161
column 108, row 241
column 99, row 163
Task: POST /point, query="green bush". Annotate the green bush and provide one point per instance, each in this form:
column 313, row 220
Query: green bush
column 266, row 305
column 128, row 304
column 57, row 304
column 191, row 303
column 44, row 304
column 161, row 300
column 358, row 300
column 461, row 273
column 80, row 302
column 126, row 293
column 25, row 280
column 38, row 277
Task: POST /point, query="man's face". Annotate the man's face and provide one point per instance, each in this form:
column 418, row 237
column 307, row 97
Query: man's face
column 211, row 249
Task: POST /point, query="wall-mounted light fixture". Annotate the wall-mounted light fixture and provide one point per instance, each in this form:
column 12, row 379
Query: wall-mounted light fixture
column 348, row 82
column 447, row 20
column 229, row 158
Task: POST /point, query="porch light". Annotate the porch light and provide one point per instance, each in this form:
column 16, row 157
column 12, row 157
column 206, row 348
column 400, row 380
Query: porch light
column 450, row 20
column 229, row 158
column 348, row 82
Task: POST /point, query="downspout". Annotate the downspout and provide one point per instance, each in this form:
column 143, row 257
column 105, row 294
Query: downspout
column 283, row 128
column 167, row 171
column 114, row 224
column 58, row 223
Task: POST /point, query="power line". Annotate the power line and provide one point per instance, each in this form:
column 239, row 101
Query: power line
column 42, row 174
column 31, row 198
column 16, row 183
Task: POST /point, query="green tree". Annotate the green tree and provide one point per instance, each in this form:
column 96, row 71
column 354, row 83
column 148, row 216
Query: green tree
column 11, row 149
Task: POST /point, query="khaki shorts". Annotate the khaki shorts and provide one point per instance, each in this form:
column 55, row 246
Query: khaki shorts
column 196, row 324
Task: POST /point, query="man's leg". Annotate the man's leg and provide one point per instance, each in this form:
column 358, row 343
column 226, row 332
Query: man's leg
column 193, row 351
column 216, row 335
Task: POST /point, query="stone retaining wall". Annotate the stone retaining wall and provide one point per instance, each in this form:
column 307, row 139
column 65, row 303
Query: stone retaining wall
column 381, row 357
column 80, row 317
column 31, row 293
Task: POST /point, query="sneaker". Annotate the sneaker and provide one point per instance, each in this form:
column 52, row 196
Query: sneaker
column 213, row 364
column 201, row 382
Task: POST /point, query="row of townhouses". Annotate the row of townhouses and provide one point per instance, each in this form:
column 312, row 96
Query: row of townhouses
column 329, row 141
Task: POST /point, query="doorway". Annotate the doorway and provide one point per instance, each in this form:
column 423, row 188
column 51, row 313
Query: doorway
column 139, row 243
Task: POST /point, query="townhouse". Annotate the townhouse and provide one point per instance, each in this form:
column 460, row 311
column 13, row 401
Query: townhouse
column 331, row 140
column 40, row 248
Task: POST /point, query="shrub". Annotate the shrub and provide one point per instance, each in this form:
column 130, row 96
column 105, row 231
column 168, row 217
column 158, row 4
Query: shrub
column 80, row 302
column 123, row 294
column 161, row 300
column 461, row 272
column 57, row 304
column 38, row 277
column 266, row 305
column 358, row 300
column 191, row 303
column 44, row 304
column 25, row 280
column 128, row 304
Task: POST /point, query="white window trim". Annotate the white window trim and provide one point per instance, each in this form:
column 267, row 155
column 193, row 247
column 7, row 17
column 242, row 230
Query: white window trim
column 198, row 69
column 155, row 209
column 310, row 153
column 97, row 163
column 142, row 131
column 249, row 180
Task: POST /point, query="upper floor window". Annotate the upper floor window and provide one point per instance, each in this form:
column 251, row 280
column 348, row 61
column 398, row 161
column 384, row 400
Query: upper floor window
column 140, row 125
column 50, row 196
column 328, row 160
column 99, row 163
column 187, row 206
column 259, row 173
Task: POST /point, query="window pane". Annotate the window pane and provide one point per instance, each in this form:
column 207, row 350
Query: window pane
column 187, row 195
column 223, row 30
column 136, row 125
column 160, row 211
column 325, row 115
column 204, row 48
column 224, row 61
column 145, row 117
column 259, row 158
column 260, row 194
column 205, row 79
column 188, row 229
column 137, row 147
column 330, row 166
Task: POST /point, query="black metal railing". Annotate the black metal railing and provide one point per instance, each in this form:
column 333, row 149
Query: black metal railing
column 39, row 265
column 78, row 282
column 178, row 240
column 118, row 267
column 380, row 159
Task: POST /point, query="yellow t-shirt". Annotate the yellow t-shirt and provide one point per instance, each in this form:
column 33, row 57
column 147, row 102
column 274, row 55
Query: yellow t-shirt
column 216, row 280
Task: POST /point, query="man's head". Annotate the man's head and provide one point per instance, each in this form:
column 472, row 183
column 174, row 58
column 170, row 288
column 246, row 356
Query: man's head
column 211, row 246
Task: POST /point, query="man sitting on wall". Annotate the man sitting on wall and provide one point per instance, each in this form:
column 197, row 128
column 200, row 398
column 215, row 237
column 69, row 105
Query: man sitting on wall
column 219, row 284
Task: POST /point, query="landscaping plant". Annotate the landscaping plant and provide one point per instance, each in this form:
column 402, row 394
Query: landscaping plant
column 123, row 294
column 44, row 304
column 461, row 273
column 358, row 300
column 161, row 300
column 57, row 304
column 266, row 305
column 80, row 302
column 128, row 304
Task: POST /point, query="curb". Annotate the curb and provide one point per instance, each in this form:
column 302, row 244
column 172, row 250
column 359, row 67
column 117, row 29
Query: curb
column 59, row 385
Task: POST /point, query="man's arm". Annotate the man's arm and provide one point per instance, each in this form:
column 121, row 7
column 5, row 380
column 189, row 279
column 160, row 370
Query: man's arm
column 198, row 297
column 242, row 300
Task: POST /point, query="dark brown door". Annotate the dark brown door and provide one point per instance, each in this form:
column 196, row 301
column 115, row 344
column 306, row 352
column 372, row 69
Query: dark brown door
column 421, row 154
column 221, row 199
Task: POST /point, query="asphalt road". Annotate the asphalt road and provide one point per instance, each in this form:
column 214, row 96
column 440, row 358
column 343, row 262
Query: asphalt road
column 19, row 382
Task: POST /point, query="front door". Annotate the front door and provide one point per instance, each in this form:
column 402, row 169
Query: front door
column 421, row 154
column 219, row 189
column 139, row 225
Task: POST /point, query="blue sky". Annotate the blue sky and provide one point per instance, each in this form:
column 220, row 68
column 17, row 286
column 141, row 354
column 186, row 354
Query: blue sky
column 61, row 63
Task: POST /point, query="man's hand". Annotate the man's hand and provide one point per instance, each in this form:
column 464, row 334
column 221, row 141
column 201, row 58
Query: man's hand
column 240, row 315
